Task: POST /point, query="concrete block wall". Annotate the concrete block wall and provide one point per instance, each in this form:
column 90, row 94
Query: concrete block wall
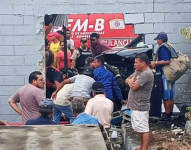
column 21, row 35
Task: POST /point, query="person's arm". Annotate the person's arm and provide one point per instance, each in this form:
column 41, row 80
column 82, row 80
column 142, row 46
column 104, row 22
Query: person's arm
column 142, row 80
column 164, row 53
column 73, row 64
column 67, row 81
column 89, row 108
column 130, row 80
column 117, row 90
column 15, row 107
column 74, row 56
column 57, row 62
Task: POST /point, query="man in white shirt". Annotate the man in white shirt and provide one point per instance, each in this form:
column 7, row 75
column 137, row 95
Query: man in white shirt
column 100, row 106
column 69, row 40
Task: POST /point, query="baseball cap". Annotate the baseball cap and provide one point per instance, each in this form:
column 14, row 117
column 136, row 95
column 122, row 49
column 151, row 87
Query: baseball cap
column 83, row 40
column 162, row 36
column 89, row 60
column 98, row 87
column 60, row 32
column 55, row 34
column 46, row 103
column 88, row 70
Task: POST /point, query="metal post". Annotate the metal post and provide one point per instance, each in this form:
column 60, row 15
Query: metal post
column 65, row 48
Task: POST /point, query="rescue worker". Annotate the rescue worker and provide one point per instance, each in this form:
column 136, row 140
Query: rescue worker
column 80, row 54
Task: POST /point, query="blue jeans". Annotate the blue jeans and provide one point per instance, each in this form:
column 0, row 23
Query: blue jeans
column 58, row 110
column 169, row 89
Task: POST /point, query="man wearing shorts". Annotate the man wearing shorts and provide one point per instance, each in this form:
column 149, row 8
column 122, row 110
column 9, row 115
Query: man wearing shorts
column 164, row 55
column 140, row 83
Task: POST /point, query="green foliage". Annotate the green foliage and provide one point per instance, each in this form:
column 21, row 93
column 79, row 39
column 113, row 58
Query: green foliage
column 189, row 108
column 186, row 32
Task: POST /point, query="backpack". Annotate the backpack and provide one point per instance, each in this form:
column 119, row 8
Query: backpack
column 178, row 65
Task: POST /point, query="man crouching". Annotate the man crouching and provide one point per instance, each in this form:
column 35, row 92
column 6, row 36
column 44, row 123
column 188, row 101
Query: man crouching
column 140, row 83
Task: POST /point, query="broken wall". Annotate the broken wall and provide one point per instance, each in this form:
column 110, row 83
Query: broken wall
column 21, row 36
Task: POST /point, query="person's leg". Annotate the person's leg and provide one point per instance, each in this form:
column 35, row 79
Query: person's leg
column 172, row 94
column 141, row 138
column 166, row 98
column 56, row 114
column 146, row 139
column 67, row 110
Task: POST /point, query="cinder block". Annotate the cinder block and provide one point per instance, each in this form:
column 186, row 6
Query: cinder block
column 182, row 6
column 14, row 60
column 1, row 83
column 1, row 20
column 177, row 26
column 6, row 30
column 188, row 128
column 24, row 30
column 1, row 40
column 163, row 6
column 6, row 9
column 177, row 17
column 2, row 60
column 29, row 40
column 24, row 50
column 176, row 38
column 13, row 80
column 166, row 27
column 154, row 17
column 29, row 20
column 11, row 117
column 149, row 38
column 12, row 19
column 183, row 88
column 23, row 9
column 143, row 28
column 5, row 109
column 172, row 6
column 133, row 18
column 184, row 79
column 183, row 47
column 7, row 90
column 4, row 100
column 13, row 40
column 6, row 50
column 29, row 60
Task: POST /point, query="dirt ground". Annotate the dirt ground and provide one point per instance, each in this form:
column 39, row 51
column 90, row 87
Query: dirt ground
column 163, row 136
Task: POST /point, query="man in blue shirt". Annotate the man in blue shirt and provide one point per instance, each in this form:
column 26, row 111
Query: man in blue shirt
column 46, row 110
column 81, row 117
column 107, row 79
column 164, row 56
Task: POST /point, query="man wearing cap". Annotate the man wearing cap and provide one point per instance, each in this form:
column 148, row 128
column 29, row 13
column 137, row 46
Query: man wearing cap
column 97, row 47
column 81, row 117
column 82, row 85
column 80, row 54
column 89, row 62
column 100, row 105
column 29, row 97
column 165, row 53
column 55, row 45
column 46, row 110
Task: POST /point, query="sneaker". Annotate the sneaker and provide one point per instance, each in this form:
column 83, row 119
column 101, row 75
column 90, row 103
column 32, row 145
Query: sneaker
column 165, row 117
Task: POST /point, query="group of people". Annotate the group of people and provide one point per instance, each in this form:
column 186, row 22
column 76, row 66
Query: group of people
column 87, row 97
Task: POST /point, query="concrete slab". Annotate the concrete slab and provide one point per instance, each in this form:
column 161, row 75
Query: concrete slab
column 79, row 137
column 188, row 128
